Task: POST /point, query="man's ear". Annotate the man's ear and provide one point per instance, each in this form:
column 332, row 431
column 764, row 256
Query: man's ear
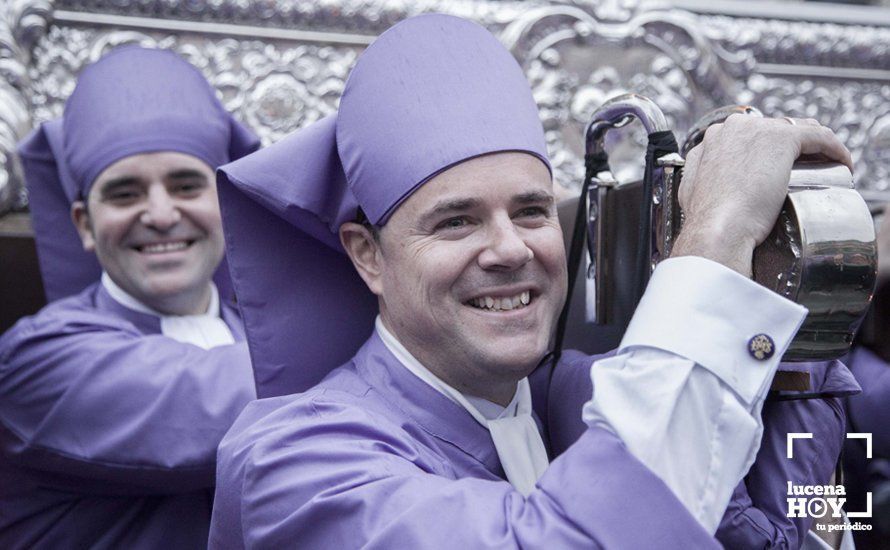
column 81, row 218
column 364, row 251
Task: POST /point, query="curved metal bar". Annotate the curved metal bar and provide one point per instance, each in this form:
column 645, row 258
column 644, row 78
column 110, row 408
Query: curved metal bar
column 615, row 303
column 620, row 111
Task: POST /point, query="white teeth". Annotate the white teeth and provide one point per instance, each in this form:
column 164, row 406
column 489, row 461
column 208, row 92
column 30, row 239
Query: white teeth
column 502, row 304
column 164, row 247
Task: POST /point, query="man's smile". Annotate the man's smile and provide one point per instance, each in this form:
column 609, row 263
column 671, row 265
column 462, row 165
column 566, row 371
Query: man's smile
column 502, row 303
column 164, row 247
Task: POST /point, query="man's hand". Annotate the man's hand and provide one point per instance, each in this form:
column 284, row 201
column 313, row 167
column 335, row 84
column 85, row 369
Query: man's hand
column 736, row 180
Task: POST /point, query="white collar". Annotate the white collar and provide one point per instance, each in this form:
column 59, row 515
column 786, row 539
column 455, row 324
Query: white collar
column 127, row 300
column 206, row 330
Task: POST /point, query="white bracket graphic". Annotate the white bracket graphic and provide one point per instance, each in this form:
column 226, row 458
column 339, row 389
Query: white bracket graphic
column 796, row 435
column 866, row 437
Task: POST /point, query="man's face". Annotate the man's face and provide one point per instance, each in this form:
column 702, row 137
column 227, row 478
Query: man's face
column 153, row 221
column 473, row 271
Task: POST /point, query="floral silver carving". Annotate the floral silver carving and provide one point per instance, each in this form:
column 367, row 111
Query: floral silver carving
column 798, row 42
column 837, row 74
column 659, row 54
column 859, row 112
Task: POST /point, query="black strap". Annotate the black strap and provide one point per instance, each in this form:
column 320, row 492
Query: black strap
column 594, row 163
column 800, row 396
column 839, row 468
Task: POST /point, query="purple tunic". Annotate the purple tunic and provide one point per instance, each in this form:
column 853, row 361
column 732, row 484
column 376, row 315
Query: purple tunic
column 374, row 457
column 869, row 412
column 108, row 429
column 757, row 516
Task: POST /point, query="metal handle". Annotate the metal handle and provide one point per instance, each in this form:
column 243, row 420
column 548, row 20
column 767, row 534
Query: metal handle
column 616, row 113
column 821, row 253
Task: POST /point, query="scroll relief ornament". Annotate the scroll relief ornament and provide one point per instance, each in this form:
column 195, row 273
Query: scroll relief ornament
column 576, row 62
column 856, row 108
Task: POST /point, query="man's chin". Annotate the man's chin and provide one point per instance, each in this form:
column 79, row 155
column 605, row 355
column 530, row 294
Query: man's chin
column 514, row 362
column 170, row 287
column 516, row 337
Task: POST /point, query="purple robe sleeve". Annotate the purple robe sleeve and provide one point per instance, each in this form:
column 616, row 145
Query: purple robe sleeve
column 322, row 474
column 99, row 407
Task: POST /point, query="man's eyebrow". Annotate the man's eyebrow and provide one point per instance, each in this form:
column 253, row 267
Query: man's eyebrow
column 534, row 197
column 449, row 206
column 115, row 183
column 186, row 173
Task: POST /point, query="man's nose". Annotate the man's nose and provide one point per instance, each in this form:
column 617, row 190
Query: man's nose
column 161, row 211
column 506, row 248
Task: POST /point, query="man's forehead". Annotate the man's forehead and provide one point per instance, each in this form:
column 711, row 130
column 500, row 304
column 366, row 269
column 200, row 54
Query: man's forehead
column 499, row 177
column 151, row 164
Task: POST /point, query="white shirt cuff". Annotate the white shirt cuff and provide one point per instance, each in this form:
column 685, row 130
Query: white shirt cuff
column 706, row 312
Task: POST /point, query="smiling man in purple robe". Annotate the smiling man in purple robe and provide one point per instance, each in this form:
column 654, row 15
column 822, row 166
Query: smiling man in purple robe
column 114, row 397
column 420, row 220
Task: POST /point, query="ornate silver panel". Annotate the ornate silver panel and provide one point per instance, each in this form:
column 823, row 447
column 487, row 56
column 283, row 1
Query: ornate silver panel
column 281, row 64
column 273, row 86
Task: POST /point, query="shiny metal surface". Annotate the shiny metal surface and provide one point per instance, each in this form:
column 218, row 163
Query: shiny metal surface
column 618, row 112
column 821, row 254
column 279, row 64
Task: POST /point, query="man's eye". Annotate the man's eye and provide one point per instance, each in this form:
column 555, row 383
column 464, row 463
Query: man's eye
column 532, row 211
column 122, row 196
column 453, row 223
column 188, row 188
